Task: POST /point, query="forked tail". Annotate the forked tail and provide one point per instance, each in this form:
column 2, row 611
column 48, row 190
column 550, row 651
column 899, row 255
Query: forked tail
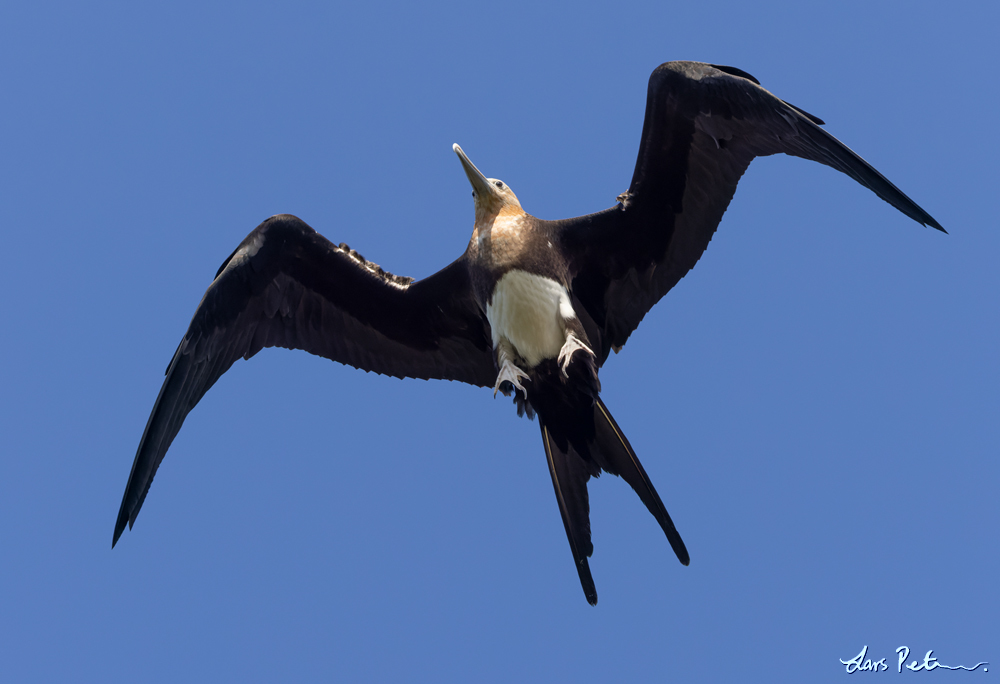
column 606, row 448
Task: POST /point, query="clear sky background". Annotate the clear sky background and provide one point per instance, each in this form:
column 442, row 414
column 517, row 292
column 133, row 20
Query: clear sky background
column 817, row 402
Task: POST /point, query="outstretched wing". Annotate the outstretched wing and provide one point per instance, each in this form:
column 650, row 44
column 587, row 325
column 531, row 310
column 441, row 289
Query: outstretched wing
column 704, row 125
column 288, row 286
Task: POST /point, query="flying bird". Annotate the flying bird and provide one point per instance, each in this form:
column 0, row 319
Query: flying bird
column 532, row 308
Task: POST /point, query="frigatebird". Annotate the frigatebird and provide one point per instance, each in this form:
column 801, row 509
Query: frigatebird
column 532, row 307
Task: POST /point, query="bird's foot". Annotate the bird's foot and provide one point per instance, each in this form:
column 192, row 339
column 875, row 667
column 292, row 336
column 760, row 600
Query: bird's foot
column 571, row 346
column 509, row 379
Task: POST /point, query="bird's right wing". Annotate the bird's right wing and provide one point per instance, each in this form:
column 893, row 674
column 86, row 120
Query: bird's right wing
column 288, row 286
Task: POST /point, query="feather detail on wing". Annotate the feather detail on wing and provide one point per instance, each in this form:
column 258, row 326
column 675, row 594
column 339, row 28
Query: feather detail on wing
column 703, row 126
column 288, row 286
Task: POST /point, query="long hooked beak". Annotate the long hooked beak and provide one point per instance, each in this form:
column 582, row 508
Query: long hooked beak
column 479, row 182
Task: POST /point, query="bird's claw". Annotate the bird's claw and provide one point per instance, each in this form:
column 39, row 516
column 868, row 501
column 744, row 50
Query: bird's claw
column 571, row 346
column 508, row 379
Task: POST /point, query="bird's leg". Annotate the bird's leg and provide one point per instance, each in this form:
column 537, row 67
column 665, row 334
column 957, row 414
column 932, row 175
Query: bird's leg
column 572, row 345
column 510, row 375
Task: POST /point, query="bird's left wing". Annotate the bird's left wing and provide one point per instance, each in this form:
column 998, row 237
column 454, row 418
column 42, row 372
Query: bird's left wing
column 704, row 124
column 288, row 286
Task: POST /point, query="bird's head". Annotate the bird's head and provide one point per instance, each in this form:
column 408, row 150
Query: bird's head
column 492, row 196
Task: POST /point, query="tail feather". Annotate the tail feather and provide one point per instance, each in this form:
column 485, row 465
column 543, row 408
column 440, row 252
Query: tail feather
column 569, row 479
column 574, row 458
column 621, row 460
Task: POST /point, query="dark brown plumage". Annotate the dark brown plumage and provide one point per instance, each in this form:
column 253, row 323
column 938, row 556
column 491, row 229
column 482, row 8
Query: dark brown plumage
column 287, row 286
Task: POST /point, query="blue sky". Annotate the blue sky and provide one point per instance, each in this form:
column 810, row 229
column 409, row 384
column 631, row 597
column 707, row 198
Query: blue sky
column 816, row 402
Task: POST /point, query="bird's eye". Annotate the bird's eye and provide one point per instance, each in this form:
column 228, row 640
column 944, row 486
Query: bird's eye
column 499, row 184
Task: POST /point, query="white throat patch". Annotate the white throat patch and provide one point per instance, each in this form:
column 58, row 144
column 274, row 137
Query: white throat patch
column 529, row 311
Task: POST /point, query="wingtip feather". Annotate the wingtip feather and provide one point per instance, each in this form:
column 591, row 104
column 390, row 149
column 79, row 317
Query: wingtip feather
column 120, row 526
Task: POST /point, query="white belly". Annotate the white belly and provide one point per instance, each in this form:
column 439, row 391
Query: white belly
column 529, row 311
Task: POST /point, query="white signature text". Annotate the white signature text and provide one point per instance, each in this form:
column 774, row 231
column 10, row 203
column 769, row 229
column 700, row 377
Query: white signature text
column 862, row 663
